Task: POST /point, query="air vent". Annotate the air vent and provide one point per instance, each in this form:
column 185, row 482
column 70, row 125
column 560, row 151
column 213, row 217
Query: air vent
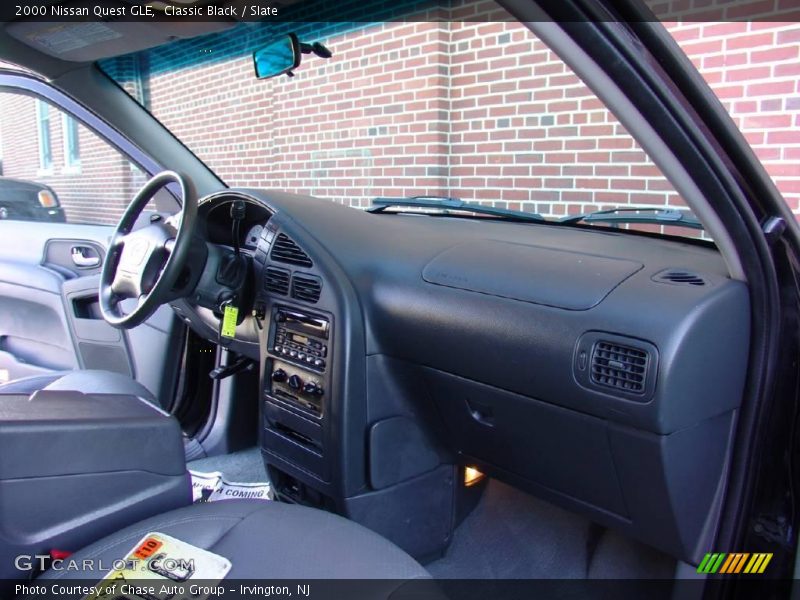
column 679, row 277
column 286, row 251
column 276, row 280
column 620, row 367
column 306, row 288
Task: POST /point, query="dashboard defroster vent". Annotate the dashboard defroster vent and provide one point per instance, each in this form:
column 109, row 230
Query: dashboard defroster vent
column 306, row 288
column 679, row 277
column 287, row 251
column 619, row 367
column 276, row 280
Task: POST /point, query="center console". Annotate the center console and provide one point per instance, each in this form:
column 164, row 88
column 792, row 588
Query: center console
column 296, row 386
column 337, row 430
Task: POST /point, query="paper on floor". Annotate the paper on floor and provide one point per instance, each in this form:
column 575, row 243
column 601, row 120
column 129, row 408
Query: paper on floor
column 210, row 487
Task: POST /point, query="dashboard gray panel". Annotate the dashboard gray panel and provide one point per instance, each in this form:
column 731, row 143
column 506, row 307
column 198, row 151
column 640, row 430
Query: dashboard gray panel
column 559, row 278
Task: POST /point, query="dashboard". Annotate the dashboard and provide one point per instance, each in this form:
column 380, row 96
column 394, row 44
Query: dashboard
column 597, row 369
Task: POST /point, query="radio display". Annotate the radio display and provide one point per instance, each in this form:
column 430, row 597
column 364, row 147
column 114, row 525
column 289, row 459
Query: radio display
column 299, row 339
column 299, row 323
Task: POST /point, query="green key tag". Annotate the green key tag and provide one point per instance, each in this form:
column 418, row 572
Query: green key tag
column 229, row 316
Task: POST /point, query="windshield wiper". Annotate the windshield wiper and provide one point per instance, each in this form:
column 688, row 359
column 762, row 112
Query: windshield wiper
column 654, row 216
column 446, row 203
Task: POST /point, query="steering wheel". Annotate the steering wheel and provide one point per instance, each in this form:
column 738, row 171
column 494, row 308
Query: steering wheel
column 145, row 264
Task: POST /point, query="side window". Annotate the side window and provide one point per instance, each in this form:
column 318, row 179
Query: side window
column 55, row 169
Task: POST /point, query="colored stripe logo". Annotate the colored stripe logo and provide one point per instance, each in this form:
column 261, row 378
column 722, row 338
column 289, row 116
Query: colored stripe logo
column 734, row 563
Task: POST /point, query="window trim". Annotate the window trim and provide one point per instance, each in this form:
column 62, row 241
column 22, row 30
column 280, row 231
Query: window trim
column 70, row 135
column 44, row 138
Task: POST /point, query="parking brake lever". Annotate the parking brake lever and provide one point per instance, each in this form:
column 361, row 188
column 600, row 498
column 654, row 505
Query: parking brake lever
column 241, row 364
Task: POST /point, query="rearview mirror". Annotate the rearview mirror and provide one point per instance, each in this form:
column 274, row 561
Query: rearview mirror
column 278, row 57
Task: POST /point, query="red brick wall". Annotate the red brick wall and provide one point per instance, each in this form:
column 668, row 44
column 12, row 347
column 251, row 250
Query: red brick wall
column 754, row 68
column 525, row 129
column 482, row 111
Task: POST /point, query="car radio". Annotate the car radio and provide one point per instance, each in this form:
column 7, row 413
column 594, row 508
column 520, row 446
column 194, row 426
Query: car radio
column 297, row 370
column 301, row 339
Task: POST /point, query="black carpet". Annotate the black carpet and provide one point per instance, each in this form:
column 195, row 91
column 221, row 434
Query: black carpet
column 245, row 466
column 512, row 535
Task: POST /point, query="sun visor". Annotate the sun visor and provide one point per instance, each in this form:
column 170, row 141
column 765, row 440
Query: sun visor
column 88, row 41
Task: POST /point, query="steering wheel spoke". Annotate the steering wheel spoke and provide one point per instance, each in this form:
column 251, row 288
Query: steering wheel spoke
column 117, row 242
column 145, row 264
column 107, row 296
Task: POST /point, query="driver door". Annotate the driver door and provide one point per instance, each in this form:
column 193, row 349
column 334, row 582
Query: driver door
column 63, row 187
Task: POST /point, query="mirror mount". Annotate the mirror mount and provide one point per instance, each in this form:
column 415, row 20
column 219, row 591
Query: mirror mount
column 316, row 48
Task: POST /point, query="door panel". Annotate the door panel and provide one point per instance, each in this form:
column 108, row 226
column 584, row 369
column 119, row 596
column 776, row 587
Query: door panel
column 49, row 317
column 34, row 338
column 99, row 345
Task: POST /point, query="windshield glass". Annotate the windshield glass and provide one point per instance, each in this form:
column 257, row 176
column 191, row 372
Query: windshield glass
column 480, row 110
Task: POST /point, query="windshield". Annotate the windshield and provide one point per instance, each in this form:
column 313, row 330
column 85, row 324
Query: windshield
column 479, row 111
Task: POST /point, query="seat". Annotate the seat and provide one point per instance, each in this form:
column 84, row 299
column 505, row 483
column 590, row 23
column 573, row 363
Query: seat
column 266, row 540
column 86, row 380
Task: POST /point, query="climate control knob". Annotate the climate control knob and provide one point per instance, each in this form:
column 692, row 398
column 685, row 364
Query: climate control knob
column 312, row 388
column 295, row 382
column 279, row 375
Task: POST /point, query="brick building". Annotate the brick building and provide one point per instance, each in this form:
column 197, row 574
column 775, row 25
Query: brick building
column 472, row 106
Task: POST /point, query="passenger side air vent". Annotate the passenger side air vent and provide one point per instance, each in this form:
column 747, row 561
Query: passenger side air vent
column 287, row 251
column 306, row 288
column 619, row 367
column 616, row 365
column 276, row 280
column 679, row 277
